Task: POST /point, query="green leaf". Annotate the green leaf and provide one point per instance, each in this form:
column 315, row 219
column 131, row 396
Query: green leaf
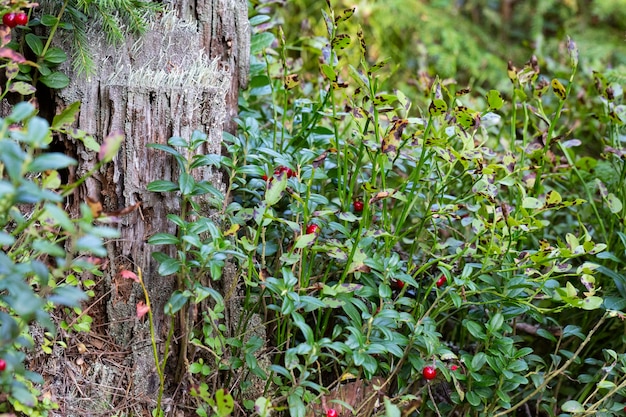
column 478, row 361
column 177, row 141
column 261, row 41
column 473, row 398
column 195, row 367
column 494, row 100
column 495, row 323
column 197, row 138
column 340, row 41
column 258, row 19
column 179, row 158
column 296, row 405
column 88, row 140
column 186, row 183
column 162, row 186
column 475, row 329
column 34, row 43
column 263, row 407
column 391, row 410
column 56, row 80
column 59, row 216
column 531, row 203
column 67, row 117
column 614, row 203
column 163, row 239
column 591, row 303
column 6, row 239
column 606, row 385
column 305, row 240
column 37, row 132
column 41, row 246
column 55, row 55
column 437, row 107
column 275, row 190
column 67, row 296
column 22, row 394
column 169, row 266
column 50, row 161
column 224, row 402
column 176, row 302
column 572, row 406
column 20, row 112
column 329, row 72
column 91, row 244
column 49, row 20
column 546, row 334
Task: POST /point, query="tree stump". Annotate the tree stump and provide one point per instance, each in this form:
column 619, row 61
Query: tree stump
column 183, row 74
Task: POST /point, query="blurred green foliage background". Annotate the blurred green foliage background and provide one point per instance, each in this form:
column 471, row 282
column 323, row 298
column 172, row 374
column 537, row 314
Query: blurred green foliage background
column 469, row 41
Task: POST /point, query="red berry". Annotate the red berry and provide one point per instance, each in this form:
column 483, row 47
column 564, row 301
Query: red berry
column 441, row 281
column 21, row 19
column 331, row 412
column 9, row 19
column 313, row 228
column 429, row 372
column 3, row 365
column 358, row 205
column 397, row 284
column 454, row 367
column 279, row 170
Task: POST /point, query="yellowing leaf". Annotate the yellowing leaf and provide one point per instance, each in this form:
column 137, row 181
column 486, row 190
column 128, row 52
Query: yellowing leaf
column 232, row 230
column 391, row 142
column 558, row 89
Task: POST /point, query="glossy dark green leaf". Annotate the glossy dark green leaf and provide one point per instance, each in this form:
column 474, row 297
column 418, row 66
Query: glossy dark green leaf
column 56, row 80
column 176, row 302
column 34, row 43
column 162, row 186
column 163, row 239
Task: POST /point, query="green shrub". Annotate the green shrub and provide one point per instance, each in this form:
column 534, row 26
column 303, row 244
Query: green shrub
column 478, row 234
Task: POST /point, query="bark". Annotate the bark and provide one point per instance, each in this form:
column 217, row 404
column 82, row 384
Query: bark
column 184, row 74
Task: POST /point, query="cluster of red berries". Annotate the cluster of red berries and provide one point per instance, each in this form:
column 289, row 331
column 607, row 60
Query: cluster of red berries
column 15, row 19
column 280, row 170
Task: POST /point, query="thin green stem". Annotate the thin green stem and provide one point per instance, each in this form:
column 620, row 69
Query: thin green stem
column 556, row 373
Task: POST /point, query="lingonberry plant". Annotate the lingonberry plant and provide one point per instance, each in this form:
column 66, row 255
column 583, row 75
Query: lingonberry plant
column 44, row 249
column 468, row 240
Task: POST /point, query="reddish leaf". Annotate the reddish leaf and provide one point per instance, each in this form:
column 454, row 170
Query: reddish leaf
column 320, row 159
column 5, row 35
column 12, row 55
column 129, row 275
column 142, row 309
